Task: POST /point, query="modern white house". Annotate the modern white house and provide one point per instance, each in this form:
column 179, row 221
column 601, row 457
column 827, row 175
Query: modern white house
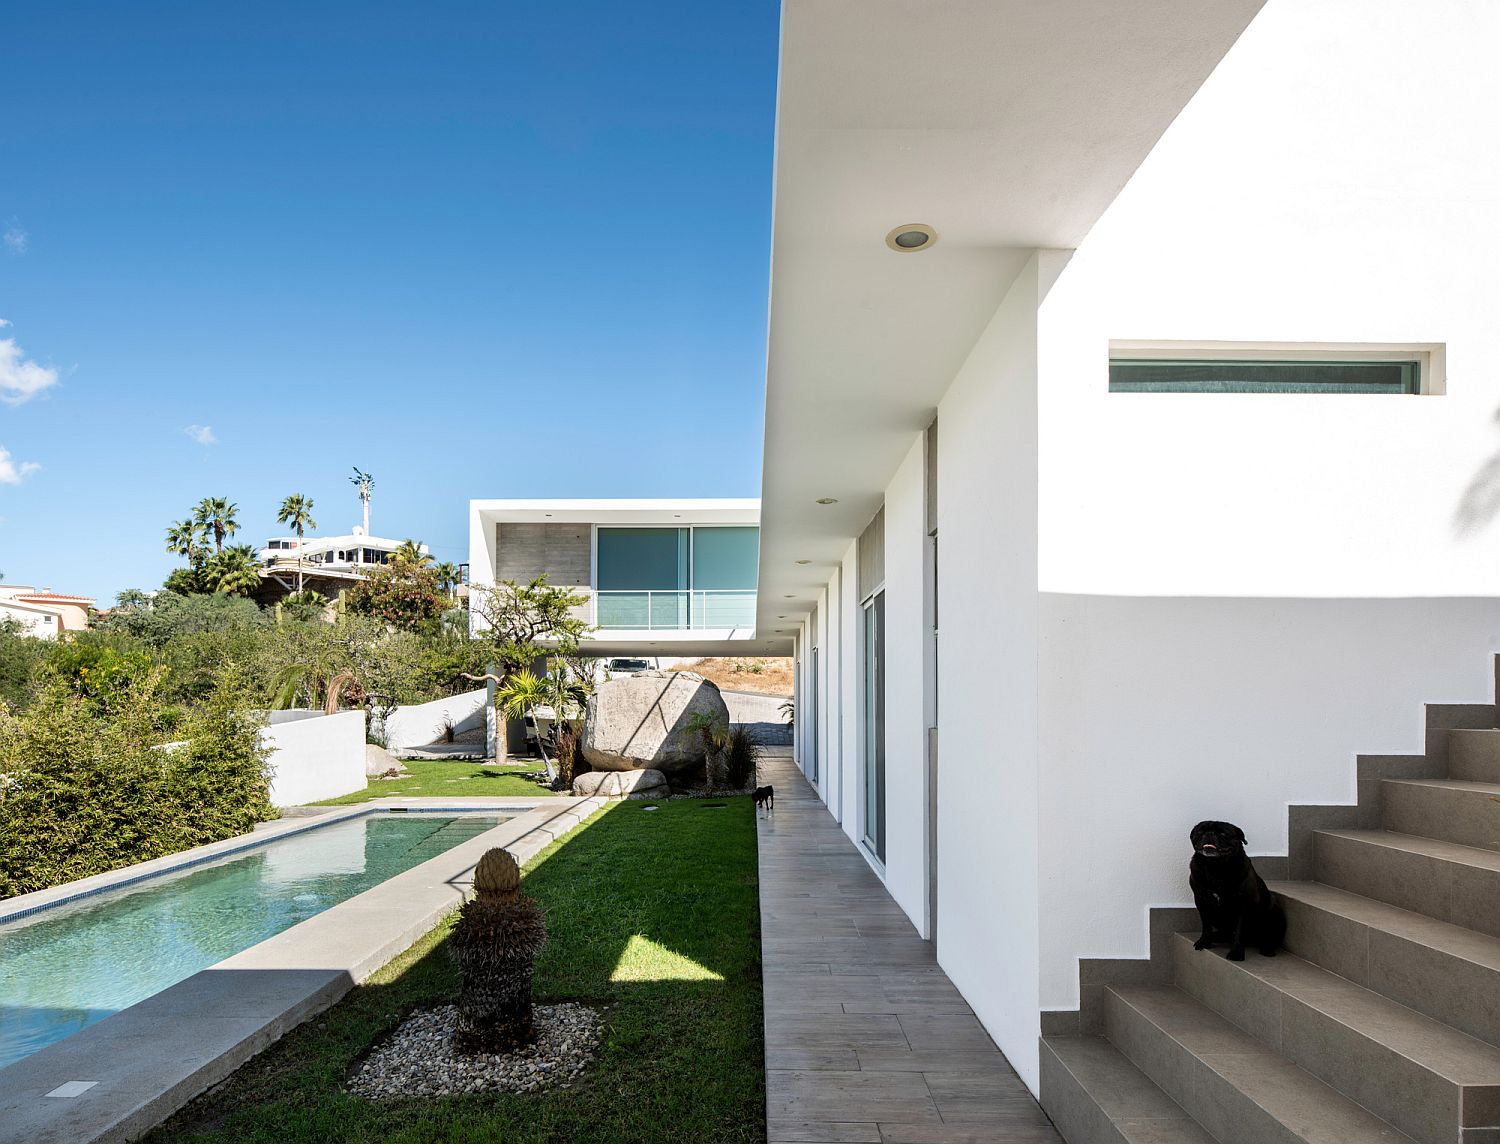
column 661, row 578
column 1131, row 459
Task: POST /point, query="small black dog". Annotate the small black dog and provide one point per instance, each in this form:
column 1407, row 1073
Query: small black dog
column 1232, row 899
column 765, row 796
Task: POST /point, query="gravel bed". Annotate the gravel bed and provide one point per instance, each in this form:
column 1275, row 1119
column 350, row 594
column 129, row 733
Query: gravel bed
column 419, row 1059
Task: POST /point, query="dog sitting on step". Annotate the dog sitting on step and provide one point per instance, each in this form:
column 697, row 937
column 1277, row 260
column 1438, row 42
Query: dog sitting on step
column 765, row 796
column 1233, row 902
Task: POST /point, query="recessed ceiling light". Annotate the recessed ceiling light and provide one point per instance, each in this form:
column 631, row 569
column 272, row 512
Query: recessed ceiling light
column 911, row 237
column 804, row 562
column 828, row 500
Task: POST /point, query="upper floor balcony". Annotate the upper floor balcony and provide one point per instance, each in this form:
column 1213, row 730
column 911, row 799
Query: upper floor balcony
column 688, row 611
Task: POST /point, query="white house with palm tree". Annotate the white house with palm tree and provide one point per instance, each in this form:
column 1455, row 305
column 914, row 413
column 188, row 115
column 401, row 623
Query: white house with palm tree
column 346, row 557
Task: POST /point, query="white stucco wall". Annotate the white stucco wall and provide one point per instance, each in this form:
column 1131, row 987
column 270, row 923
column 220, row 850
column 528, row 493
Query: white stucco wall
column 314, row 759
column 988, row 901
column 420, row 724
column 1241, row 592
column 905, row 773
column 1159, row 608
column 33, row 621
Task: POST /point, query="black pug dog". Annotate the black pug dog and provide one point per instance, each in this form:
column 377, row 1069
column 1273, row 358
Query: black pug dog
column 765, row 796
column 1232, row 899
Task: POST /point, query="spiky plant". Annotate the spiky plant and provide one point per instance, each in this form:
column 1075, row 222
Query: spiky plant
column 495, row 943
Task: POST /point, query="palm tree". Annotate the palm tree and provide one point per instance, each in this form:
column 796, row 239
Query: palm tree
column 296, row 511
column 365, row 484
column 448, row 576
column 410, row 552
column 216, row 515
column 234, row 570
column 182, row 539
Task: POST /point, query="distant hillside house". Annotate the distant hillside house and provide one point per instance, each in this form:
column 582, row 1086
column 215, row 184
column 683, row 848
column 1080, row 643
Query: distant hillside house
column 329, row 563
column 43, row 612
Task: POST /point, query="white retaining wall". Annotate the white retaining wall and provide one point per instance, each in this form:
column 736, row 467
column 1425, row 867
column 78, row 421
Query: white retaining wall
column 422, row 724
column 316, row 758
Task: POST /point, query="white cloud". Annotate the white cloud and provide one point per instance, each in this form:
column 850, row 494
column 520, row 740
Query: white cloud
column 14, row 238
column 203, row 434
column 13, row 472
column 21, row 379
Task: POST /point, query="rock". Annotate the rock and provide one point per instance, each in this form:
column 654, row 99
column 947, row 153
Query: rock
column 640, row 722
column 378, row 760
column 622, row 784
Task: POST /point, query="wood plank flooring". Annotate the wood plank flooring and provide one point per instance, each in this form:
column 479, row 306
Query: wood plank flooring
column 867, row 1041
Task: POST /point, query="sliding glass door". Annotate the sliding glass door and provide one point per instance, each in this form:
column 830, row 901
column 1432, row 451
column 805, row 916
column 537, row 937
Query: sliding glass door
column 874, row 736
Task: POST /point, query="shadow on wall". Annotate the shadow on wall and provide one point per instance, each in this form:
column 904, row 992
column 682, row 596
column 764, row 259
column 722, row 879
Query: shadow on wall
column 1480, row 504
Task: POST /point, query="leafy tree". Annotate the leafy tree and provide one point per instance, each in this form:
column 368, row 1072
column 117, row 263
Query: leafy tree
column 185, row 581
column 401, row 594
column 410, row 552
column 19, row 657
column 296, row 511
column 233, row 571
column 182, row 539
column 305, row 606
column 214, row 516
column 449, row 577
column 521, row 623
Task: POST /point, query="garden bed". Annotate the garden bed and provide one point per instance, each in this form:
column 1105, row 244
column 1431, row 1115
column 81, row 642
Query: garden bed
column 653, row 921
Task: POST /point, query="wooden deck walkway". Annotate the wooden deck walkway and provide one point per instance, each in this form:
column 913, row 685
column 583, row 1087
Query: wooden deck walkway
column 866, row 1038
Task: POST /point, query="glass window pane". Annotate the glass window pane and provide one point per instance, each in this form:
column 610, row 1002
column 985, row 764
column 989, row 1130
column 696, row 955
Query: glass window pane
column 1188, row 376
column 639, row 559
column 725, row 558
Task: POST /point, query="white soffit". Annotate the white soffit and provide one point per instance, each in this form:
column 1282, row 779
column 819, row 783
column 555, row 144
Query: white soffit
column 1007, row 125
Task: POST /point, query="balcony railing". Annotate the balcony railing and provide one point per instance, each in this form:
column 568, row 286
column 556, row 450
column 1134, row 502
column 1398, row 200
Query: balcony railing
column 674, row 611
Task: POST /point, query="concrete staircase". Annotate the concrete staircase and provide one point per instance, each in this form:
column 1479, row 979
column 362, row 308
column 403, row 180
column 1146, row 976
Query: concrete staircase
column 1380, row 1020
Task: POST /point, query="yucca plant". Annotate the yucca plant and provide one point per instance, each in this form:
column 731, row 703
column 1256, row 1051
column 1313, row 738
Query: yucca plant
column 495, row 943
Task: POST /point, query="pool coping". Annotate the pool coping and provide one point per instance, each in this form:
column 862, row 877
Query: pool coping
column 151, row 1059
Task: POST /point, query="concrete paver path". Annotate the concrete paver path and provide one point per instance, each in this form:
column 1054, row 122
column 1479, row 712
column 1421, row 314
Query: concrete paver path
column 866, row 1038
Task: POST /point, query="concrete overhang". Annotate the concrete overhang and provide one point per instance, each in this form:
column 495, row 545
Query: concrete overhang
column 1006, row 125
column 619, row 511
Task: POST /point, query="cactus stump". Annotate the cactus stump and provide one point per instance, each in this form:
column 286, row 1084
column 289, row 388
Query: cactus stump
column 498, row 935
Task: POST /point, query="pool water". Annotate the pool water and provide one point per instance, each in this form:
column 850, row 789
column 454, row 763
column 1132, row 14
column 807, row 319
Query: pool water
column 64, row 968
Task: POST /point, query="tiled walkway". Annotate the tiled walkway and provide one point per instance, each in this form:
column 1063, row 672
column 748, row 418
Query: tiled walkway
column 866, row 1038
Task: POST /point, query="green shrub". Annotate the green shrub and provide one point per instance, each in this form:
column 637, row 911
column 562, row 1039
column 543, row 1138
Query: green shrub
column 84, row 789
column 743, row 754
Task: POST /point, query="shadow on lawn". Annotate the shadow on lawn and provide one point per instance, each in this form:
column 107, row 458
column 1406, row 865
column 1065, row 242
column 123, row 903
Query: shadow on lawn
column 652, row 917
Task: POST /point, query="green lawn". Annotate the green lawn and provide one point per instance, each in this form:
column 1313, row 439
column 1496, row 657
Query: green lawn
column 452, row 779
column 653, row 918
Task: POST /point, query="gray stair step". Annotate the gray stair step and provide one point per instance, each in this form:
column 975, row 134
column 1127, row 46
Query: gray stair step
column 1426, row 1078
column 1437, row 968
column 1238, row 1089
column 1444, row 880
column 1455, row 810
column 1095, row 1096
column 1474, row 755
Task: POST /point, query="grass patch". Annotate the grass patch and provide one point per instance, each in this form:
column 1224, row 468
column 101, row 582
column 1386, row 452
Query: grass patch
column 653, row 918
column 452, row 779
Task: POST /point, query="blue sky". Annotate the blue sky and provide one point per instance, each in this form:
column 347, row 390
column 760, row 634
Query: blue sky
column 480, row 250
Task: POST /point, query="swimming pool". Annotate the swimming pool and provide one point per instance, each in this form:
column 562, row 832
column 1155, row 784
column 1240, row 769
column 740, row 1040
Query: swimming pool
column 65, row 967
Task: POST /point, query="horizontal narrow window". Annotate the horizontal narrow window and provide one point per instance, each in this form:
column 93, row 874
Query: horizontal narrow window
column 1186, row 375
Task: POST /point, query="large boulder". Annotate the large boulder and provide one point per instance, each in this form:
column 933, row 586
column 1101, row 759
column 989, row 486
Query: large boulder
column 641, row 721
column 622, row 784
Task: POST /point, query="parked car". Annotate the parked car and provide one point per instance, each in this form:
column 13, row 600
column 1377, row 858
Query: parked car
column 616, row 667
